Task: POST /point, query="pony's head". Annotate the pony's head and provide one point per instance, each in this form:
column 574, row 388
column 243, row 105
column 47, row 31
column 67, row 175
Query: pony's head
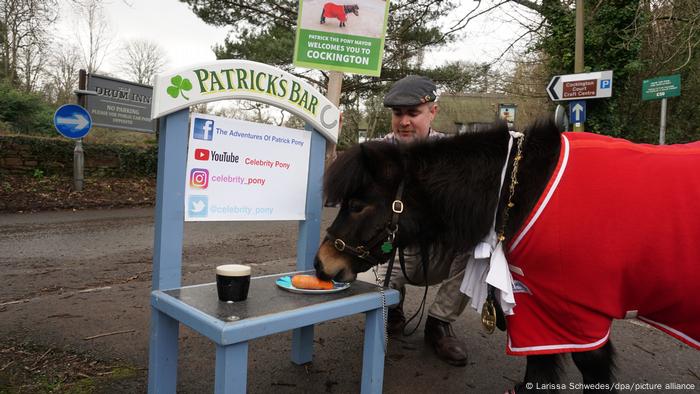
column 438, row 195
column 363, row 181
column 355, row 9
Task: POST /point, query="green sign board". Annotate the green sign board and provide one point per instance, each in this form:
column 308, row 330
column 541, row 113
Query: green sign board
column 661, row 87
column 341, row 37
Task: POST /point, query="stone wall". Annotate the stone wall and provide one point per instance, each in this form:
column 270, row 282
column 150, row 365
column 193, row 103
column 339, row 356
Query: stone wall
column 54, row 156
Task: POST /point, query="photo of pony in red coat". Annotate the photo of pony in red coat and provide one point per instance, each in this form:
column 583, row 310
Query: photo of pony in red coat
column 339, row 11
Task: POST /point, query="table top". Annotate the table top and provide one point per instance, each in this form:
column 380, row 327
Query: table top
column 264, row 298
column 268, row 309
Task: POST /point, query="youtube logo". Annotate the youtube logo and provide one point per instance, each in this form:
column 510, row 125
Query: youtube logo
column 201, row 154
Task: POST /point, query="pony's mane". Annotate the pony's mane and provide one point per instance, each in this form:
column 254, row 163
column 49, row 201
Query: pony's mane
column 451, row 183
column 455, row 182
column 351, row 172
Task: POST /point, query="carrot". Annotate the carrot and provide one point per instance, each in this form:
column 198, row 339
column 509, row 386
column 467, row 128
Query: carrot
column 310, row 282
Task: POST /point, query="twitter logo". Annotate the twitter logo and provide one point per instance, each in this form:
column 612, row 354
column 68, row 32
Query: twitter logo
column 198, row 206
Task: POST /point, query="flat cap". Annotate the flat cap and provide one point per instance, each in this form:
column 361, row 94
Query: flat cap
column 410, row 91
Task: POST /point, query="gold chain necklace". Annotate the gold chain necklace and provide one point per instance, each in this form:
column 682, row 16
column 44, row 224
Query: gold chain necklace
column 511, row 189
column 488, row 311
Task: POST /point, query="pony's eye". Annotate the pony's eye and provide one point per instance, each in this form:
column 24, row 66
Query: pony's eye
column 356, row 205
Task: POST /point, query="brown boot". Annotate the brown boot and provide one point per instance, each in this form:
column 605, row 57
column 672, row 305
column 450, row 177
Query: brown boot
column 448, row 347
column 395, row 321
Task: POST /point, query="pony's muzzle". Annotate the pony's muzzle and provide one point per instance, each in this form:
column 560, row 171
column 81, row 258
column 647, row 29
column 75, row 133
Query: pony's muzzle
column 332, row 264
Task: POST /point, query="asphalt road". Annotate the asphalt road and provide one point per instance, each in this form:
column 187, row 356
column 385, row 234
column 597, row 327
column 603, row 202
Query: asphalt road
column 67, row 276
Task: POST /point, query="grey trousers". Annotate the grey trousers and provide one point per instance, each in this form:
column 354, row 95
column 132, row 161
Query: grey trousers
column 449, row 301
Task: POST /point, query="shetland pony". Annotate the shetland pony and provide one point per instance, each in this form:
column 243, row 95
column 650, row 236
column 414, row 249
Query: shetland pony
column 599, row 229
column 339, row 11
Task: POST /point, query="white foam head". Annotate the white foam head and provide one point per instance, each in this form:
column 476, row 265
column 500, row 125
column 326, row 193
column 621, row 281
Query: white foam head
column 233, row 270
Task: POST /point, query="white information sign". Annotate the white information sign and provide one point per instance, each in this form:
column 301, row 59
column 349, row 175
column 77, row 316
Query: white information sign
column 238, row 170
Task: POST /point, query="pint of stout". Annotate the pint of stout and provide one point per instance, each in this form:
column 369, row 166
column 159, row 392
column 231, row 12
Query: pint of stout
column 232, row 282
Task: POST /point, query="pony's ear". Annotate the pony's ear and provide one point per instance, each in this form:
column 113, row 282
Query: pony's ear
column 358, row 167
column 370, row 157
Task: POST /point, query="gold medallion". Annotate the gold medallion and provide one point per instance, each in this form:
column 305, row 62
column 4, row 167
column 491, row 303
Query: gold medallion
column 488, row 316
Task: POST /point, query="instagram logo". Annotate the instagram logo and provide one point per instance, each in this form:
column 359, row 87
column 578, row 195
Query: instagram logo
column 199, row 178
column 203, row 129
column 201, row 154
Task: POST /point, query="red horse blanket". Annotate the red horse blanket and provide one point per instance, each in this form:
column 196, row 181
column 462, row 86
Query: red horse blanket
column 614, row 235
column 332, row 10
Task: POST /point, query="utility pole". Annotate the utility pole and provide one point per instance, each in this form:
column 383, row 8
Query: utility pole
column 335, row 86
column 578, row 51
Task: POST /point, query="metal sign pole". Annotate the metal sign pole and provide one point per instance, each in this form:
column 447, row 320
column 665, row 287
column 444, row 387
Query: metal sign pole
column 578, row 52
column 662, row 129
column 78, row 164
column 78, row 157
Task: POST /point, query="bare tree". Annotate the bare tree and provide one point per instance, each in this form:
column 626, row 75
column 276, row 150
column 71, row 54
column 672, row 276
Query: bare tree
column 253, row 111
column 141, row 60
column 62, row 74
column 23, row 32
column 33, row 60
column 95, row 36
column 671, row 29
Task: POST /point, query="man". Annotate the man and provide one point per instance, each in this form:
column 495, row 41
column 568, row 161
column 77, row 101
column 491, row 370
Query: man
column 413, row 104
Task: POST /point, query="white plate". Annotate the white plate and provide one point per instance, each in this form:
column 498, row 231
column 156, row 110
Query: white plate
column 285, row 282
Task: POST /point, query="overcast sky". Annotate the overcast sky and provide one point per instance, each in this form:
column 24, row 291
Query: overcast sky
column 170, row 23
column 187, row 40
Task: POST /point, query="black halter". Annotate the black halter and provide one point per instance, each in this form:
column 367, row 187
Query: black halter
column 384, row 236
column 388, row 235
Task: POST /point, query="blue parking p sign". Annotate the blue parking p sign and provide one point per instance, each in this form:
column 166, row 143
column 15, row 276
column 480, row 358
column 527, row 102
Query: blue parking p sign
column 72, row 121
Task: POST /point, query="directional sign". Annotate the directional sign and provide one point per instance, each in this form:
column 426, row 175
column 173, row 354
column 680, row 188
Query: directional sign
column 577, row 86
column 72, row 121
column 661, row 87
column 507, row 112
column 577, row 111
column 561, row 119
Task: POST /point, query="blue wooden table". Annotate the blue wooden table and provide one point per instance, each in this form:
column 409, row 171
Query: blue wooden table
column 232, row 326
column 268, row 310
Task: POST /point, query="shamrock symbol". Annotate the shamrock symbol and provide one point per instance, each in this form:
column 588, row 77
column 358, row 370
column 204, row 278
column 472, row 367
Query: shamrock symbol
column 179, row 85
column 387, row 247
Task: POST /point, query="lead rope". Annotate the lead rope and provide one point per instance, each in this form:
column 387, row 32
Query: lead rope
column 378, row 282
column 397, row 208
column 425, row 260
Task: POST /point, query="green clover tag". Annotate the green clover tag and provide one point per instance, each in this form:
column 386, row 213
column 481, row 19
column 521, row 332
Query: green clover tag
column 387, row 246
column 179, row 85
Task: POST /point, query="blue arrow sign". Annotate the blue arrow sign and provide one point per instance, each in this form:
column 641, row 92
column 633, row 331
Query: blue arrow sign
column 72, row 121
column 577, row 111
